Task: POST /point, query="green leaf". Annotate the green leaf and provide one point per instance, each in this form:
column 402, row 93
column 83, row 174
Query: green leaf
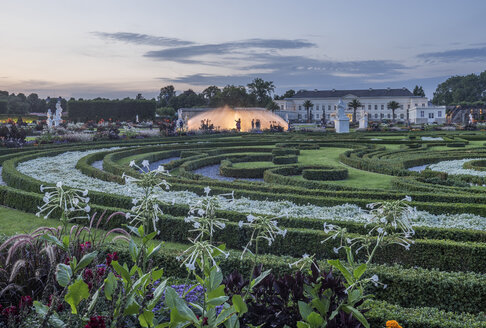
column 302, row 324
column 133, row 249
column 224, row 315
column 146, row 319
column 121, row 271
column 358, row 315
column 54, row 320
column 110, row 285
column 314, row 319
column 53, row 240
column 85, row 261
column 215, row 278
column 76, row 293
column 157, row 274
column 148, row 237
column 258, row 279
column 65, row 241
column 94, row 299
column 63, row 274
column 304, row 309
column 154, row 251
column 217, row 292
column 158, row 292
column 132, row 307
column 358, row 272
column 239, row 304
column 347, row 275
column 217, row 300
column 175, row 302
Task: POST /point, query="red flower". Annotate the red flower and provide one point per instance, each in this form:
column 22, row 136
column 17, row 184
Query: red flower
column 26, row 301
column 111, row 257
column 100, row 272
column 85, row 246
column 96, row 322
column 67, row 260
column 10, row 311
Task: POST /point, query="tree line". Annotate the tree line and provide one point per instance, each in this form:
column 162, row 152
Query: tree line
column 462, row 90
column 258, row 93
column 11, row 103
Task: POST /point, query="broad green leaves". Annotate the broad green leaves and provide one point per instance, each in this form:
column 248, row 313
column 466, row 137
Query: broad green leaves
column 76, row 293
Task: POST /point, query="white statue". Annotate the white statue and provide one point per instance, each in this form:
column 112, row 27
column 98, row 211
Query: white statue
column 57, row 118
column 363, row 121
column 287, row 117
column 470, row 118
column 49, row 118
column 341, row 123
column 136, row 118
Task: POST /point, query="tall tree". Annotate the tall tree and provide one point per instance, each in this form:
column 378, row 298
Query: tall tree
column 273, row 106
column 212, row 94
column 236, row 96
column 456, row 89
column 139, row 97
column 418, row 91
column 34, row 102
column 262, row 90
column 393, row 105
column 165, row 94
column 288, row 94
column 355, row 104
column 308, row 105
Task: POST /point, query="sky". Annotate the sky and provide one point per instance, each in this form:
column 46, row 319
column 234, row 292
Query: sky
column 119, row 48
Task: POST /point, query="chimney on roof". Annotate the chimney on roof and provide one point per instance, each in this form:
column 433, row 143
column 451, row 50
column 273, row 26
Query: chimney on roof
column 333, row 90
column 371, row 89
column 388, row 88
column 404, row 88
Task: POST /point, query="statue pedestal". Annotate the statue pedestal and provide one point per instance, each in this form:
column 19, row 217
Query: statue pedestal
column 342, row 125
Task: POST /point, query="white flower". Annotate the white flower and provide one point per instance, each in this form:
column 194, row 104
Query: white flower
column 134, row 201
column 132, row 163
column 374, row 278
column 240, row 224
column 42, row 188
column 75, row 201
column 85, row 192
column 197, row 225
column 191, row 266
column 200, row 212
column 305, row 255
column 86, row 200
column 87, row 209
column 380, row 230
column 408, row 198
column 145, row 163
column 59, row 184
column 336, row 249
column 250, row 218
column 207, row 190
column 128, row 216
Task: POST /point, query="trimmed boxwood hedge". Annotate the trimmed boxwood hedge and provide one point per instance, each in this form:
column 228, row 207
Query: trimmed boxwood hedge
column 325, row 173
column 287, row 159
column 478, row 165
column 285, row 151
column 226, row 169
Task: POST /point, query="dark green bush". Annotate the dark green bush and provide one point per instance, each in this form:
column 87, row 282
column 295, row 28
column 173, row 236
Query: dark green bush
column 325, row 174
column 123, row 110
column 288, row 159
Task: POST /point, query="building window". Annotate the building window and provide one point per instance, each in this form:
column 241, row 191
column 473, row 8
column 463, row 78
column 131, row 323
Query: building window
column 335, row 107
column 376, row 107
column 281, row 107
column 401, row 116
column 416, row 105
column 369, row 107
column 317, row 116
column 423, row 105
column 328, row 116
column 382, row 115
column 388, row 115
column 408, row 106
column 376, row 115
column 300, row 107
column 382, row 107
column 317, row 107
column 431, row 115
column 439, row 113
column 300, row 116
column 422, row 113
column 329, row 107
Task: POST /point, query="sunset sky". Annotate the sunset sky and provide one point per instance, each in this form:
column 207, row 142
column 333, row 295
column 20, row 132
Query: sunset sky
column 121, row 48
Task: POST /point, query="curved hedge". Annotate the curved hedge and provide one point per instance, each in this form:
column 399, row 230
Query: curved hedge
column 325, row 173
column 478, row 165
column 288, row 159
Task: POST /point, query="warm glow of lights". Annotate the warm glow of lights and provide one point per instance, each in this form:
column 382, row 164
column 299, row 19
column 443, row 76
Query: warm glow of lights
column 225, row 118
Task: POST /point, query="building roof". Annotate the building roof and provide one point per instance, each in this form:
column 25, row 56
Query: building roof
column 365, row 93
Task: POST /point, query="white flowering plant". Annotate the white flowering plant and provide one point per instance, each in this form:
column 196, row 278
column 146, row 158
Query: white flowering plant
column 146, row 210
column 72, row 203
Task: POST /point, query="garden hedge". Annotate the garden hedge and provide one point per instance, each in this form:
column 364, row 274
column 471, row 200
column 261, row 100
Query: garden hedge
column 122, row 110
column 325, row 173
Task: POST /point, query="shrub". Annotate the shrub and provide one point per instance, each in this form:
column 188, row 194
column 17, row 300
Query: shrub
column 289, row 159
column 123, row 110
column 478, row 165
column 325, row 173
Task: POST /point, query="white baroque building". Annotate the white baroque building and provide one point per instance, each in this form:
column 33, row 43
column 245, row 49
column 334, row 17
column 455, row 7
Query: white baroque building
column 374, row 103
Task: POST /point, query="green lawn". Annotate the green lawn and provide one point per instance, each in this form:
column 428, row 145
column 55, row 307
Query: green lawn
column 356, row 178
column 330, row 156
column 17, row 222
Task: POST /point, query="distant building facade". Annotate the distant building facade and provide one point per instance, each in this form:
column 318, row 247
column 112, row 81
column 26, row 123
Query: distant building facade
column 374, row 102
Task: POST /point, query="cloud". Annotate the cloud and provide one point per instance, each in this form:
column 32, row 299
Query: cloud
column 142, row 39
column 180, row 54
column 468, row 54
